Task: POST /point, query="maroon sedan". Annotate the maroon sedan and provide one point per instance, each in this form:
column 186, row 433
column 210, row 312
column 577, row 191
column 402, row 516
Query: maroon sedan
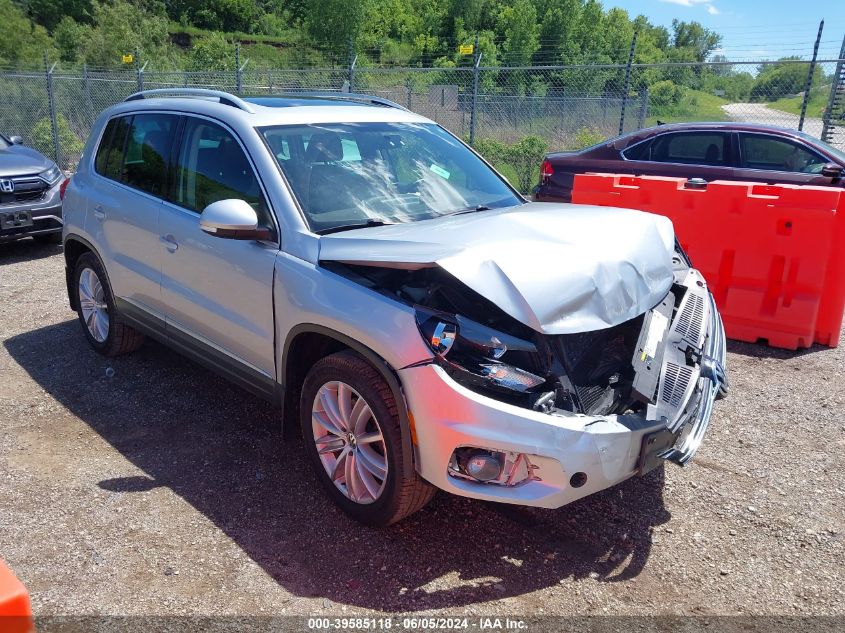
column 711, row 151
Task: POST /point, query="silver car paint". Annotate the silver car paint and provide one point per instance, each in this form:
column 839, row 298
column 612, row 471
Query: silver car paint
column 606, row 265
column 124, row 222
column 230, row 308
column 307, row 294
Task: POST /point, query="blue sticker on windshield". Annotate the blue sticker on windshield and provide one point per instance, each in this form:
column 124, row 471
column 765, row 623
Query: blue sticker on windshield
column 440, row 171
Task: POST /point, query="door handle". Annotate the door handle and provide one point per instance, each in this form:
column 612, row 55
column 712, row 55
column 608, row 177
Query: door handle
column 169, row 242
column 99, row 213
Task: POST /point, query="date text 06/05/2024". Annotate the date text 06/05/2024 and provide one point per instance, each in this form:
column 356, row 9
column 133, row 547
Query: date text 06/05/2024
column 416, row 623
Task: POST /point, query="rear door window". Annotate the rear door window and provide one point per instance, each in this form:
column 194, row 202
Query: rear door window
column 691, row 148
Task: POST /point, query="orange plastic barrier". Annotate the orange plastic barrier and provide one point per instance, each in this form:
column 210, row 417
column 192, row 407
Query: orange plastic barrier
column 15, row 612
column 774, row 255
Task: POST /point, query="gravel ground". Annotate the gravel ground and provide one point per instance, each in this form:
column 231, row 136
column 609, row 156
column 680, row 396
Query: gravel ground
column 161, row 489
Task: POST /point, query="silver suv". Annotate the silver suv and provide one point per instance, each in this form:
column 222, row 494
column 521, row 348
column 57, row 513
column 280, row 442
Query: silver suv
column 423, row 324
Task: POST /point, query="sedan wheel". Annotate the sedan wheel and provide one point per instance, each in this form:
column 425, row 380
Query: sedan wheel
column 350, row 442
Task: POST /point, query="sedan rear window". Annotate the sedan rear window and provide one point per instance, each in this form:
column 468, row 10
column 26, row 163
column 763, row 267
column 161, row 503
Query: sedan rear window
column 352, row 173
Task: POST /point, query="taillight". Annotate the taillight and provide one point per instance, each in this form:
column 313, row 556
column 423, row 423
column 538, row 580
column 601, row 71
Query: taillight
column 546, row 172
column 62, row 188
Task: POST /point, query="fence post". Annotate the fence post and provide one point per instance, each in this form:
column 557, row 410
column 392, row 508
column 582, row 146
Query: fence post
column 86, row 88
column 627, row 83
column 809, row 83
column 139, row 70
column 51, row 100
column 473, row 113
column 238, row 69
column 643, row 108
column 353, row 59
column 838, row 83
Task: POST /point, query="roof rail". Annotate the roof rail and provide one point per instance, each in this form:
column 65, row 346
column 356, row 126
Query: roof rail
column 223, row 97
column 342, row 96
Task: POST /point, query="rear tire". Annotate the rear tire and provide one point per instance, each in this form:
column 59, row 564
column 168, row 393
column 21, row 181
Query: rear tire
column 366, row 456
column 105, row 330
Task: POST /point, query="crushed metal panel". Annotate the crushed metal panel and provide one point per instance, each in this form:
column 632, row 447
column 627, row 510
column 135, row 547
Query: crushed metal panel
column 556, row 268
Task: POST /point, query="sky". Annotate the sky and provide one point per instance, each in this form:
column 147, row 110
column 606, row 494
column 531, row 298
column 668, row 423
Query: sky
column 754, row 29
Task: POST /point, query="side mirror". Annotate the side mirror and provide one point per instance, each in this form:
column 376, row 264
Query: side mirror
column 832, row 170
column 16, row 140
column 233, row 219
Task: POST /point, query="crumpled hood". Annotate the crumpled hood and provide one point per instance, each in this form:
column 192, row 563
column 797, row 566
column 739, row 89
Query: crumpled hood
column 557, row 268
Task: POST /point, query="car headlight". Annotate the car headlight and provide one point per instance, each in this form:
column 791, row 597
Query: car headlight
column 479, row 355
column 52, row 175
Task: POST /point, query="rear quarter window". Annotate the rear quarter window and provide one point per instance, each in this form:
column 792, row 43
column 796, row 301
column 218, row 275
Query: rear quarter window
column 109, row 158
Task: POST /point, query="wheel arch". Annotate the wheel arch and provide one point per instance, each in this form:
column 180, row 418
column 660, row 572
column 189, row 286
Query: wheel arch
column 305, row 345
column 74, row 247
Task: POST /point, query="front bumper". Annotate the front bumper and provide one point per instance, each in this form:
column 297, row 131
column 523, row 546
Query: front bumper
column 607, row 449
column 46, row 216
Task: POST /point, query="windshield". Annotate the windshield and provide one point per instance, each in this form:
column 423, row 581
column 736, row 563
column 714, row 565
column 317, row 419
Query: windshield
column 358, row 173
column 3, row 142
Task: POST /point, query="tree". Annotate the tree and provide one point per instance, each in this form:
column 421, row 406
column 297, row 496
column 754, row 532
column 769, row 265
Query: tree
column 120, row 28
column 212, row 52
column 21, row 41
column 69, row 35
column 522, row 34
column 695, row 37
column 781, row 80
column 48, row 13
column 335, row 22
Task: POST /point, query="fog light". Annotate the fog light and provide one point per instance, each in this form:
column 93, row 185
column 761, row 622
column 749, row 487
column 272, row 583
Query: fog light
column 500, row 468
column 482, row 466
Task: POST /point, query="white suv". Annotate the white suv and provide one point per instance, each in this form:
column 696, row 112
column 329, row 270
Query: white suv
column 424, row 325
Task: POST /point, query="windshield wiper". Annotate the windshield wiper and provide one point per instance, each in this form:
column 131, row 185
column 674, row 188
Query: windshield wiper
column 475, row 209
column 356, row 225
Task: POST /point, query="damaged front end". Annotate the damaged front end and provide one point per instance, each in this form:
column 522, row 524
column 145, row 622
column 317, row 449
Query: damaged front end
column 665, row 365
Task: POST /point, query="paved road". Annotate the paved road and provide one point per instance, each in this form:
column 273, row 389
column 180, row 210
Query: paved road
column 762, row 113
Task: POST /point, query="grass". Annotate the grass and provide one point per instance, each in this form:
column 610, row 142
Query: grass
column 815, row 105
column 694, row 106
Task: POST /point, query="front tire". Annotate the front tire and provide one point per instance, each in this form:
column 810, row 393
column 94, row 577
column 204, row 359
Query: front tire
column 350, row 424
column 107, row 333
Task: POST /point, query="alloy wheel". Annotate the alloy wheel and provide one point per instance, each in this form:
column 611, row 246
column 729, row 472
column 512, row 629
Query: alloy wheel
column 350, row 442
column 92, row 301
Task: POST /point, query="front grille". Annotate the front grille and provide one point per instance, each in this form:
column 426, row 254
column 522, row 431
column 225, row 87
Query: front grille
column 27, row 189
column 598, row 364
column 691, row 318
column 675, row 382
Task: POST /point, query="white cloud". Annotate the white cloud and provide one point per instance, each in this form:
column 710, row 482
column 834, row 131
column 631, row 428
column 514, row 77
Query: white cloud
column 708, row 4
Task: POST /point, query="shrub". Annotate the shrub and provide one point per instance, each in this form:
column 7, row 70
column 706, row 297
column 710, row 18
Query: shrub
column 69, row 143
column 525, row 157
column 586, row 137
column 664, row 97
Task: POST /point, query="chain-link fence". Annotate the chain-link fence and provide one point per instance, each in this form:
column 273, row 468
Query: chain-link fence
column 565, row 107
